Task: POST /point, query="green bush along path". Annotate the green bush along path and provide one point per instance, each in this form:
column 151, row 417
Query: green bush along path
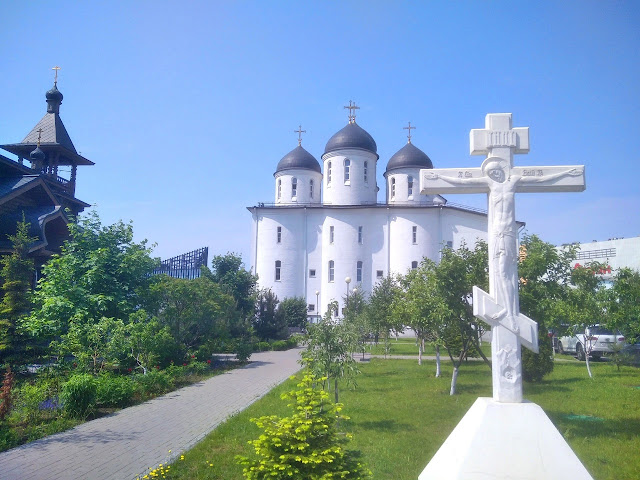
column 124, row 445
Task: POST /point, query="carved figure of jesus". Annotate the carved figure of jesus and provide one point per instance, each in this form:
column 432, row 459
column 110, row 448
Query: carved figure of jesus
column 503, row 230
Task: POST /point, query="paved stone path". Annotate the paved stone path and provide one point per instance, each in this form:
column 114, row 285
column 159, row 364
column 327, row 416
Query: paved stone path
column 125, row 444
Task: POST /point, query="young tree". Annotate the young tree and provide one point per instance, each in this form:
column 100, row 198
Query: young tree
column 16, row 275
column 357, row 320
column 380, row 311
column 329, row 348
column 305, row 445
column 421, row 307
column 585, row 305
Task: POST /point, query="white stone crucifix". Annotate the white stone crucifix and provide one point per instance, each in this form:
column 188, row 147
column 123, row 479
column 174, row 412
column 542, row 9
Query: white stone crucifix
column 501, row 180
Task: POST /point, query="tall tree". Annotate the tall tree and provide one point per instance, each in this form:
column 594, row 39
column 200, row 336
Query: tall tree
column 267, row 324
column 16, row 274
column 624, row 304
column 101, row 273
column 229, row 272
column 293, row 310
column 455, row 275
column 544, row 274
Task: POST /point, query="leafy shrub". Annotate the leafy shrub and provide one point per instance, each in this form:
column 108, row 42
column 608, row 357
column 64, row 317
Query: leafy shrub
column 262, row 347
column 155, row 382
column 199, row 368
column 31, row 399
column 305, row 445
column 279, row 345
column 115, row 391
column 537, row 365
column 78, row 395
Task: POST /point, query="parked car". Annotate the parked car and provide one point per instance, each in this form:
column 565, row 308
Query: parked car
column 596, row 340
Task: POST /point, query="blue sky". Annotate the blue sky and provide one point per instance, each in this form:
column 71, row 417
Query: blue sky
column 187, row 107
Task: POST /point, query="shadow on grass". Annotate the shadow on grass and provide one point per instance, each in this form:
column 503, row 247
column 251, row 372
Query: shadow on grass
column 596, row 428
column 386, row 425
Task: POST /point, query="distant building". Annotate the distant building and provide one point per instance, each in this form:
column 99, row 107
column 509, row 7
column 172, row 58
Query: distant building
column 615, row 253
column 326, row 227
column 40, row 191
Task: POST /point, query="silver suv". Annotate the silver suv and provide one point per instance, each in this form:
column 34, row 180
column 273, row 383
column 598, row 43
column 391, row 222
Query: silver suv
column 595, row 340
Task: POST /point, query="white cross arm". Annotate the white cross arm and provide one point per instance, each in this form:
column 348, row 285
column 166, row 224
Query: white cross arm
column 560, row 178
column 485, row 308
column 452, row 180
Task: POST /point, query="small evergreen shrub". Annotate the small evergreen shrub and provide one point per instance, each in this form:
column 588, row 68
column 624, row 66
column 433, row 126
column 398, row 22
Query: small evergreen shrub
column 536, row 365
column 78, row 395
column 306, row 445
column 115, row 391
column 243, row 351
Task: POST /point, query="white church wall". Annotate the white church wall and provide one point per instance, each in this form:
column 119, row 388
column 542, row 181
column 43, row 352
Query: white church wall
column 404, row 248
column 355, row 191
column 460, row 226
column 287, row 226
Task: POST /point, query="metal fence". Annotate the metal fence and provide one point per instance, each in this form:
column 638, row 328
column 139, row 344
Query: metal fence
column 186, row 265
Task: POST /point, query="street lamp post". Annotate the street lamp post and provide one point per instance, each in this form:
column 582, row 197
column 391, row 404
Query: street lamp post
column 317, row 305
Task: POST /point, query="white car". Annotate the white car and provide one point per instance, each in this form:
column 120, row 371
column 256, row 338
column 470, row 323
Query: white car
column 597, row 340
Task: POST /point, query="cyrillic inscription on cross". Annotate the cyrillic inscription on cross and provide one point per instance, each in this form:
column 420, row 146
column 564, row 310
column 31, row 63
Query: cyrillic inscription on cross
column 501, row 181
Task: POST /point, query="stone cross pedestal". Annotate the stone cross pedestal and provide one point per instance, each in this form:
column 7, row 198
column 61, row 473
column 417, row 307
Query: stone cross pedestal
column 503, row 438
column 501, row 180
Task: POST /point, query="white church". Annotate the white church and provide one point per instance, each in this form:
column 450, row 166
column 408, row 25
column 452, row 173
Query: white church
column 326, row 233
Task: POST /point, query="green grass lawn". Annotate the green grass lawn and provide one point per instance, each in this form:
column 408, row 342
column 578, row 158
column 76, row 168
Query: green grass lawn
column 400, row 415
column 408, row 346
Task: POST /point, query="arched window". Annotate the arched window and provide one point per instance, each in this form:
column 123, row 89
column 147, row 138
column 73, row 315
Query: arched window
column 279, row 188
column 279, row 234
column 410, row 186
column 331, row 233
column 414, row 265
column 393, row 188
column 414, row 234
column 359, row 271
column 331, row 270
column 294, row 187
column 328, row 173
column 365, row 171
column 310, row 188
column 278, row 267
column 347, row 170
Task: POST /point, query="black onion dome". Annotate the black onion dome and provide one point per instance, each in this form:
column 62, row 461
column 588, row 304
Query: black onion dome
column 37, row 155
column 409, row 156
column 351, row 136
column 298, row 158
column 54, row 95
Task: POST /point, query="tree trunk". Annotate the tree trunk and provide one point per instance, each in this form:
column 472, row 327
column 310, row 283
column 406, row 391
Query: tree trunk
column 454, row 379
column 437, row 361
column 419, row 352
column 335, row 388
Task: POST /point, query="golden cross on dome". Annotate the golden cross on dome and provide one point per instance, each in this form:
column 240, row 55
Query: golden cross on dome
column 39, row 135
column 300, row 132
column 352, row 108
column 55, row 80
column 409, row 128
